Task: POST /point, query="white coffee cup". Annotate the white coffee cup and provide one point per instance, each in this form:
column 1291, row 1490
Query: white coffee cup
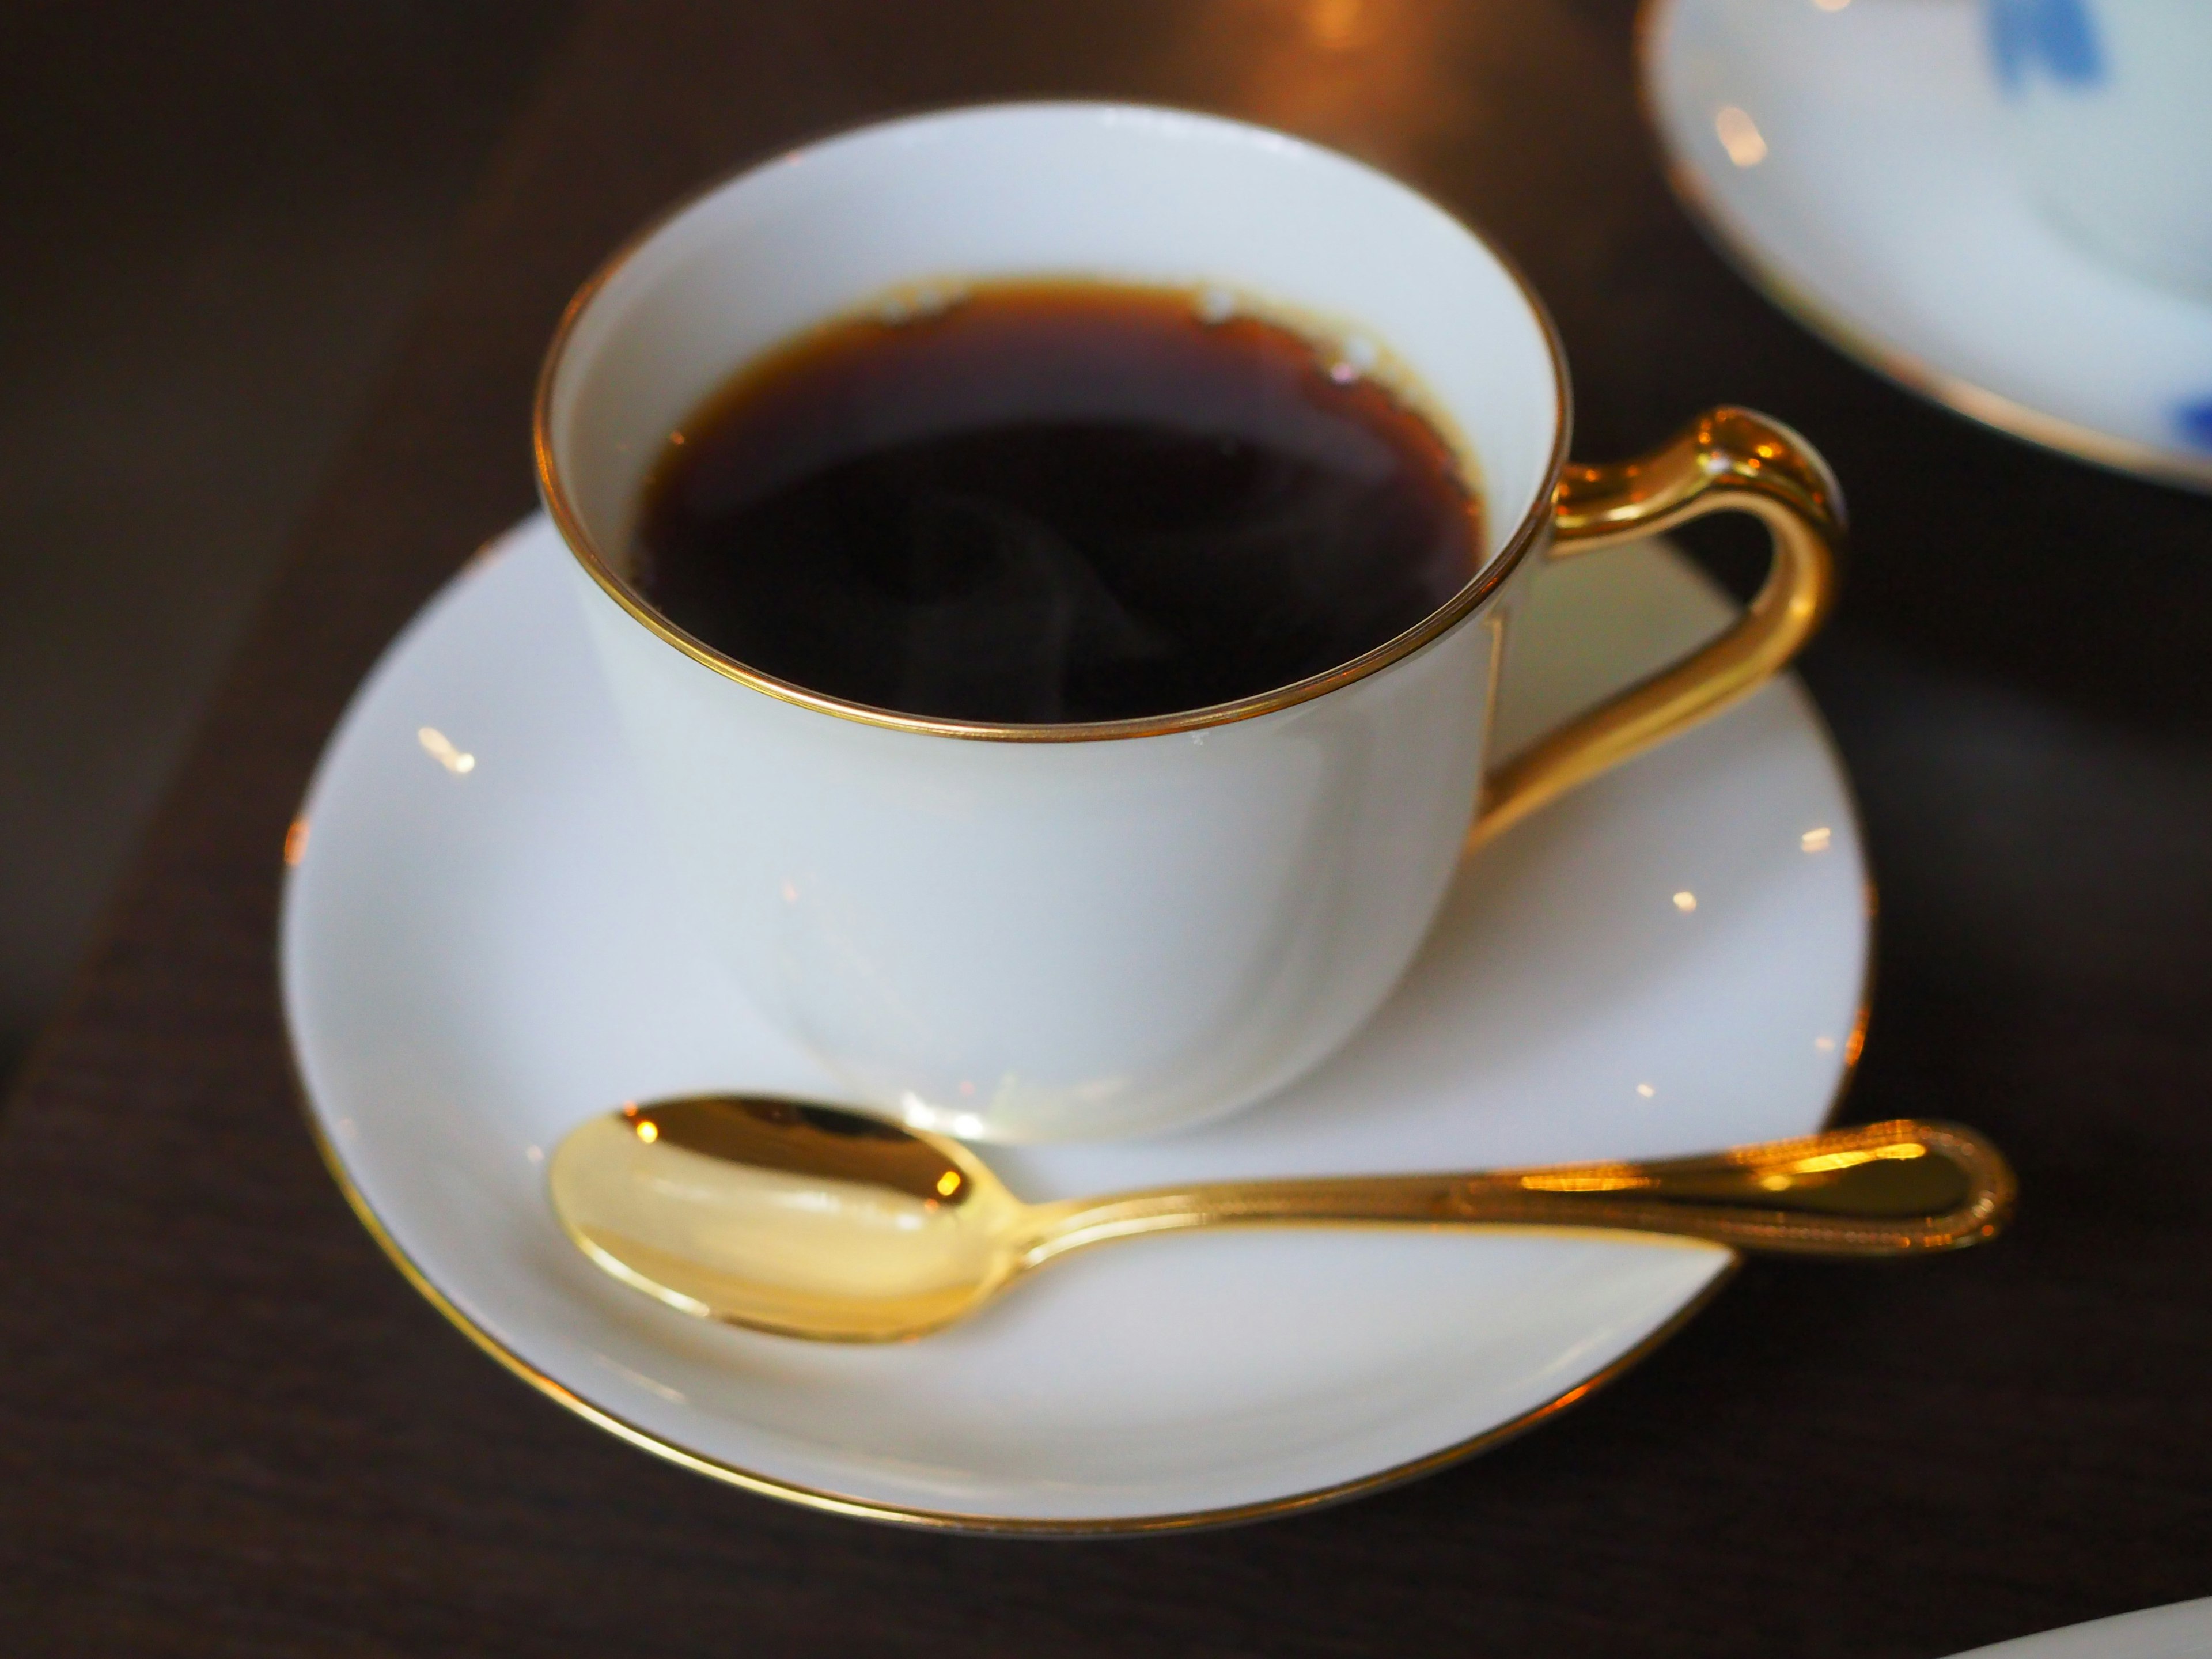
column 2106, row 109
column 1069, row 932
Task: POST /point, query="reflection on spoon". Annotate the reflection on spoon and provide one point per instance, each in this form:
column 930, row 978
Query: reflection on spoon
column 818, row 1222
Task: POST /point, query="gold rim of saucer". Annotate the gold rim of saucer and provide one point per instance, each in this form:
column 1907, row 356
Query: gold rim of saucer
column 814, row 1497
column 1533, row 522
column 769, row 1485
column 1726, row 234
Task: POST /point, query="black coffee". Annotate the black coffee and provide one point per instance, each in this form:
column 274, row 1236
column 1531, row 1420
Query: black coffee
column 1053, row 501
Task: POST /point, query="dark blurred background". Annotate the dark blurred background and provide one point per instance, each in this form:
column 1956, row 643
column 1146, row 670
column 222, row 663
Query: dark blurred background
column 217, row 216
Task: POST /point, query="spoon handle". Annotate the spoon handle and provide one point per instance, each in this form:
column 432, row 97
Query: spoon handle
column 1890, row 1188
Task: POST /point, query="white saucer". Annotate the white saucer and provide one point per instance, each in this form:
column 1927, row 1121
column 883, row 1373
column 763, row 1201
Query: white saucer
column 2183, row 1630
column 1866, row 194
column 478, row 952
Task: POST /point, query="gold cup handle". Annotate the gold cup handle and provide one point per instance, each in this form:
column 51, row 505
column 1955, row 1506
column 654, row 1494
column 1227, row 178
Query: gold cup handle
column 1727, row 460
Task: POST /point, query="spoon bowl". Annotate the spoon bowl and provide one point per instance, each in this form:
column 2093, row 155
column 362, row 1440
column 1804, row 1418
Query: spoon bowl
column 788, row 1215
column 815, row 1221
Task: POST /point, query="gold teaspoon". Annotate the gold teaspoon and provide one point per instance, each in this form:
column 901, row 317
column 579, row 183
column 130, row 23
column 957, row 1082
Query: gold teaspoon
column 818, row 1222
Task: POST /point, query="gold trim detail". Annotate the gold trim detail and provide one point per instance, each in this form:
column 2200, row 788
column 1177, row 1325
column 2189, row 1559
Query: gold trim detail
column 1532, row 526
column 1727, row 460
column 953, row 1521
column 1733, row 239
column 983, row 1525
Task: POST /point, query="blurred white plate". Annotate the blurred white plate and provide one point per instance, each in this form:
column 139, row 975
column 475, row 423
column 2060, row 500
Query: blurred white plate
column 2183, row 1630
column 1846, row 156
column 479, row 951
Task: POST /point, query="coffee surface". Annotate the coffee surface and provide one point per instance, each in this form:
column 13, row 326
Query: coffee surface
column 1044, row 502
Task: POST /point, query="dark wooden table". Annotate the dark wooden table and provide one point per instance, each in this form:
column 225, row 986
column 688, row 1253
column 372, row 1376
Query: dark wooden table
column 227, row 1426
